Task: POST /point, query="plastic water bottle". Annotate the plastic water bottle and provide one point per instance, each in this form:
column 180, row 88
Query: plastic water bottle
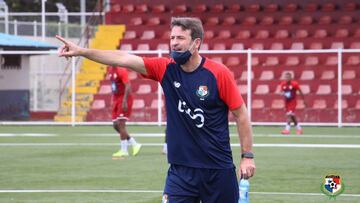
column 244, row 186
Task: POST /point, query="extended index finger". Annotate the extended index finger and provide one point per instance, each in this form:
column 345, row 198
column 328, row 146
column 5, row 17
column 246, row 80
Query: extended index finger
column 61, row 39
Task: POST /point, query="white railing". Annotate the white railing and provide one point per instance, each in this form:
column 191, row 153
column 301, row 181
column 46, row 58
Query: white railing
column 160, row 53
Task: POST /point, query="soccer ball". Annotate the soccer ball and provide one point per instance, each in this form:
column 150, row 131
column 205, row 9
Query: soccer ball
column 332, row 185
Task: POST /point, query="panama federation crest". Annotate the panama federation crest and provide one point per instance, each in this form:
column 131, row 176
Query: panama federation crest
column 332, row 185
column 202, row 92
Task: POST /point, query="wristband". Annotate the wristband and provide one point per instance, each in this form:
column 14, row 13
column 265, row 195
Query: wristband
column 248, row 155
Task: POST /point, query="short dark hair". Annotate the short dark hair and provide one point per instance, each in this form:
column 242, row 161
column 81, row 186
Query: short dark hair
column 188, row 23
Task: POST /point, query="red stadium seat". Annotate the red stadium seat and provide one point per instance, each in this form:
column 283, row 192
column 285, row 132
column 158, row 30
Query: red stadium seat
column 297, row 46
column 204, row 46
column 323, row 90
column 219, row 46
column 129, row 8
column 237, row 46
column 307, row 75
column 357, row 105
column 286, row 20
column 353, row 61
column 138, row 104
column 267, row 20
column 105, row 89
column 328, row 7
column 342, row 33
column 243, row 34
column 357, row 33
column 116, row 8
column 143, row 89
column 344, row 104
column 277, row 104
column 249, row 21
column 98, row 104
column 224, row 34
column 217, row 8
column 212, row 21
column 162, row 46
column 306, row 20
column 148, row 34
column 143, row 47
column 292, row 61
column 257, row 104
column 355, row 45
column 232, row 61
column 217, row 59
column 271, row 7
column 253, row 8
column 301, row 33
column 257, row 46
column 243, row 89
column 182, row 8
column 311, row 7
column 291, row 7
column 199, row 8
column 136, row 21
column 277, row 46
column 209, row 34
column 262, row 89
column 316, row 45
column 141, row 8
column 337, row 45
column 305, row 89
column 158, row 8
column 328, row 75
column 126, row 47
column 154, row 104
column 271, row 61
column 153, row 21
column 350, row 6
column 311, row 61
column 349, row 75
column 255, row 61
column 267, row 75
column 244, row 75
column 281, row 34
column 300, row 103
column 229, row 20
column 320, row 33
column 346, row 89
column 325, row 20
column 331, row 61
column 130, row 34
column 319, row 104
column 345, row 20
column 132, row 75
column 262, row 34
column 234, row 8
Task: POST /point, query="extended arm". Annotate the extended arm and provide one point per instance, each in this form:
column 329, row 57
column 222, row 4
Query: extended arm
column 247, row 165
column 108, row 57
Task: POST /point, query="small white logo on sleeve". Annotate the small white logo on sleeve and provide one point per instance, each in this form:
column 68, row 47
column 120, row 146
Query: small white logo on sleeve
column 177, row 84
column 197, row 115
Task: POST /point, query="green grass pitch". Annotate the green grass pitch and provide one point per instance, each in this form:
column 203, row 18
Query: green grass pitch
column 75, row 165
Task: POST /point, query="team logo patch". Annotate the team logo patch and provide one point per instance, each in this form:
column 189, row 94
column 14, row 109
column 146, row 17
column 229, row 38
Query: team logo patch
column 202, row 92
column 332, row 186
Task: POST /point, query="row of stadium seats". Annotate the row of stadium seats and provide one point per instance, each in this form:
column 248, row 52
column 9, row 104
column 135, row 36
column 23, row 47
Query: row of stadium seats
column 119, row 6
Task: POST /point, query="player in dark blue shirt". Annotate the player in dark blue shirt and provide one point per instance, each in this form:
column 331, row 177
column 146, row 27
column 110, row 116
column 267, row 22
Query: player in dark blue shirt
column 199, row 93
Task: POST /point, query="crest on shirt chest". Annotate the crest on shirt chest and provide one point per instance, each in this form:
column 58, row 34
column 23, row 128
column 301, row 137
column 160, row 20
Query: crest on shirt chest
column 202, row 92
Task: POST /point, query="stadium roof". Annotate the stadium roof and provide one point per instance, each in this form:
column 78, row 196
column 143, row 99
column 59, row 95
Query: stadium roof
column 12, row 42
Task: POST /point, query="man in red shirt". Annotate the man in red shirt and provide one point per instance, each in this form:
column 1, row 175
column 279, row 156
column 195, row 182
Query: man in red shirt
column 289, row 88
column 122, row 103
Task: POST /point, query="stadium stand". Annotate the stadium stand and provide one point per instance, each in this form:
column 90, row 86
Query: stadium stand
column 258, row 25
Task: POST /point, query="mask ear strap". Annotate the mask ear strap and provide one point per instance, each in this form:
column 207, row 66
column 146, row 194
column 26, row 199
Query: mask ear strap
column 192, row 46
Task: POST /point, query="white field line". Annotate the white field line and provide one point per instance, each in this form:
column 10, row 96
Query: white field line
column 158, row 191
column 275, row 145
column 162, row 135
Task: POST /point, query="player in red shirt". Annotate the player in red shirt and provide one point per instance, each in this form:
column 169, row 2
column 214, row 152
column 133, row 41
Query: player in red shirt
column 122, row 103
column 289, row 88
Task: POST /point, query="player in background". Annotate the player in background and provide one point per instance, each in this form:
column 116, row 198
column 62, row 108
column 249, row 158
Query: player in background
column 121, row 110
column 199, row 94
column 289, row 88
